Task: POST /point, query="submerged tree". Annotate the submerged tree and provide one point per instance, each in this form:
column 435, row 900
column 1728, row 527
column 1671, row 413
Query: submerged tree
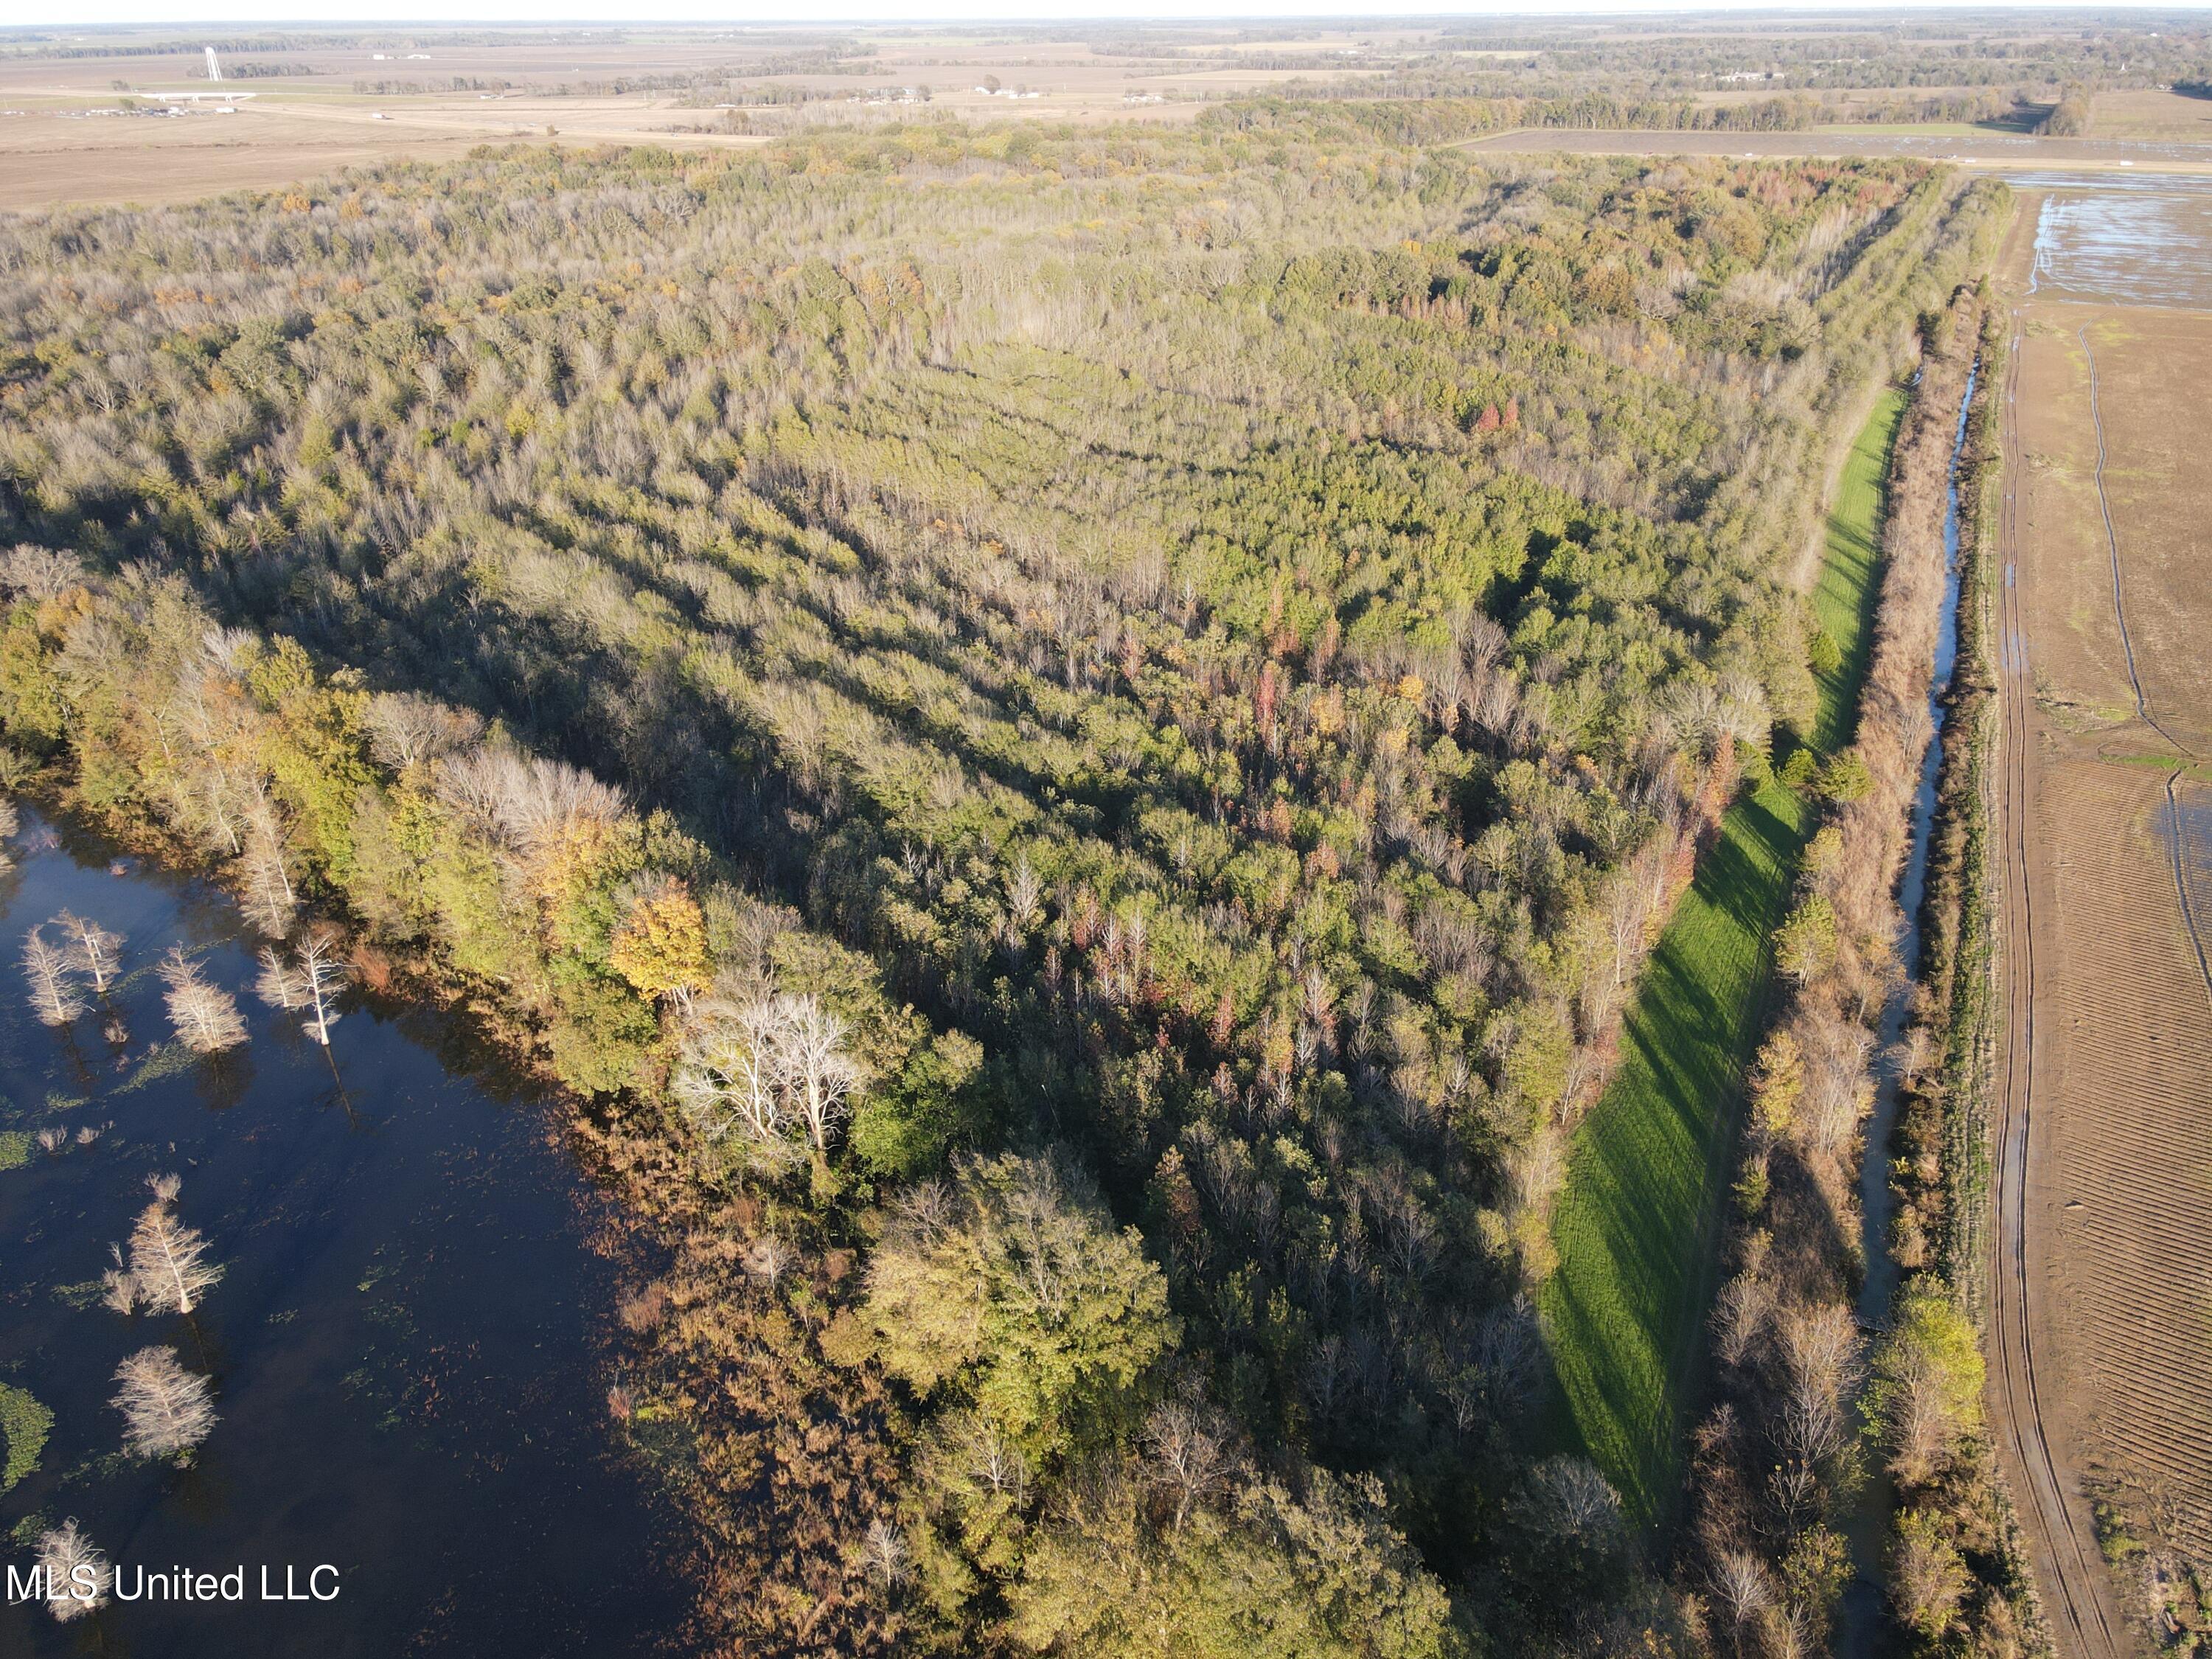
column 93, row 950
column 56, row 997
column 169, row 1266
column 166, row 1410
column 205, row 1015
column 75, row 1572
column 310, row 980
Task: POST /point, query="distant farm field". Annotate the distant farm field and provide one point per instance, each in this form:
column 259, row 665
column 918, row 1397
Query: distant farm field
column 1635, row 1223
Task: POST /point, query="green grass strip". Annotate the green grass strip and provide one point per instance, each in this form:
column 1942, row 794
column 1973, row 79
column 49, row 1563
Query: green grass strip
column 1637, row 1222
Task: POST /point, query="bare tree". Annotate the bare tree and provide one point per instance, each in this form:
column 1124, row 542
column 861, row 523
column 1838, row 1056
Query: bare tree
column 39, row 573
column 75, row 1574
column 118, row 1289
column 169, row 1266
column 9, row 825
column 406, row 730
column 271, row 902
column 93, row 950
column 534, row 806
column 1793, row 1485
column 1742, row 1587
column 768, row 1070
column 1025, row 889
column 1189, row 1455
column 1918, row 1422
column 886, row 1552
column 989, row 1456
column 769, row 1258
column 206, row 1015
column 730, row 1071
column 1838, row 1091
column 55, row 996
column 1569, row 1500
column 1820, row 1343
column 822, row 1073
column 1739, row 1314
column 311, row 980
column 166, row 1410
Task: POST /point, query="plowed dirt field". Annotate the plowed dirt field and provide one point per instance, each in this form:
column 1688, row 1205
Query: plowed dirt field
column 2102, row 1317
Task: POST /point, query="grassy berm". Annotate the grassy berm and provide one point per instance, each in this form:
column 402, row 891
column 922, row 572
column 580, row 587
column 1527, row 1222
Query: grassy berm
column 1637, row 1222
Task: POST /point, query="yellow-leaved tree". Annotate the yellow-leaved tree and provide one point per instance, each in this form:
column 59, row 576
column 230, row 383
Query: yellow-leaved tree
column 661, row 946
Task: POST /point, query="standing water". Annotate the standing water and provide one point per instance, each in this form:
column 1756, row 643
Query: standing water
column 1863, row 1599
column 407, row 1344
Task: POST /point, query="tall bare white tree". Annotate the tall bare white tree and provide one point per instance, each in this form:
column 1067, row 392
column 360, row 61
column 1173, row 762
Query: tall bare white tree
column 1742, row 1587
column 823, row 1074
column 169, row 1265
column 75, row 1573
column 166, row 1410
column 1188, row 1456
column 93, row 950
column 730, row 1071
column 766, row 1069
column 206, row 1015
column 271, row 902
column 888, row 1560
column 310, row 981
column 56, row 997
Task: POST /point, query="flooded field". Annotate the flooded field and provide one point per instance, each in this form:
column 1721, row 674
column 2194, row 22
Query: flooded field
column 2133, row 241
column 405, row 1346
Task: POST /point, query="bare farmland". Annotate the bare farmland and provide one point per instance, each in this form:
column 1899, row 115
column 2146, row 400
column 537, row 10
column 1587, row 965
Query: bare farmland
column 2102, row 1293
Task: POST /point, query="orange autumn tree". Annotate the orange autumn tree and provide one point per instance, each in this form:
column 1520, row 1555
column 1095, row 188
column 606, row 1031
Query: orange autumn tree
column 661, row 946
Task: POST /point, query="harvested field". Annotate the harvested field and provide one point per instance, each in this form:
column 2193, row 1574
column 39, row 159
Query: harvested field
column 2153, row 115
column 143, row 123
column 2121, row 1192
column 2103, row 1289
column 2079, row 666
column 2152, row 366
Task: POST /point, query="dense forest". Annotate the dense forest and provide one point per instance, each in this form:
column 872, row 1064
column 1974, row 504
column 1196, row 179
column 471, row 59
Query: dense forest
column 1076, row 739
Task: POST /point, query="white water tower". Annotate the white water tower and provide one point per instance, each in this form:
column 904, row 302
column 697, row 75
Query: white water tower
column 214, row 69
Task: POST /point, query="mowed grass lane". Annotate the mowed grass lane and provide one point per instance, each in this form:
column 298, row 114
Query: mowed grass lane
column 1637, row 1223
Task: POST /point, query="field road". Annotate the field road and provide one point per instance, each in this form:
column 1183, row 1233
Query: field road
column 2102, row 1281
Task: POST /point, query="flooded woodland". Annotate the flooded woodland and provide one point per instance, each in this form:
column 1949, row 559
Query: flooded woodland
column 407, row 1343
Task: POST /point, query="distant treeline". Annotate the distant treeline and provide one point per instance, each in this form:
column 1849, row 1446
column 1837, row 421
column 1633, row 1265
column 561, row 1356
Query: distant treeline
column 254, row 69
column 388, row 89
column 1413, row 119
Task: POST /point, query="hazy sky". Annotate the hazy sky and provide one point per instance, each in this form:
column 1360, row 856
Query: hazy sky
column 61, row 14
